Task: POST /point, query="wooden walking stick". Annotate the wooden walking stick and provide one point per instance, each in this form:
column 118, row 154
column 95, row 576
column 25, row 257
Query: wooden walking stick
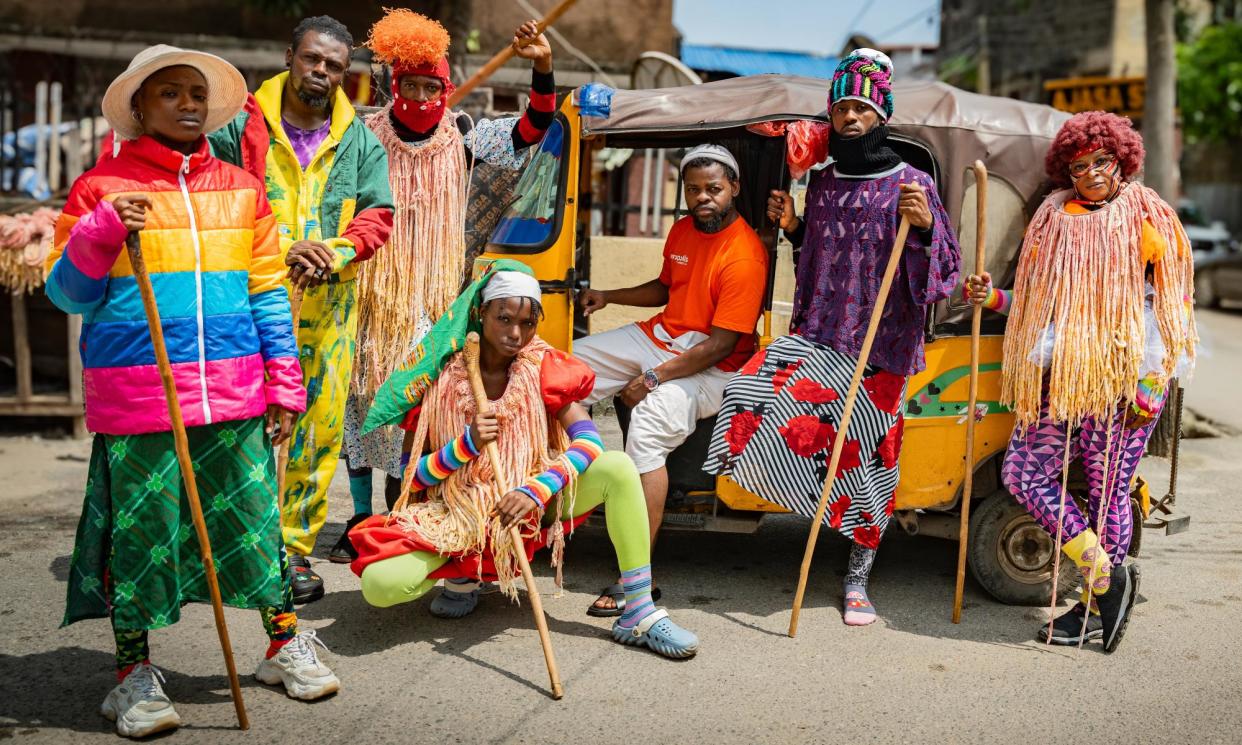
column 503, row 56
column 968, row 479
column 519, row 548
column 838, row 442
column 282, row 457
column 182, row 444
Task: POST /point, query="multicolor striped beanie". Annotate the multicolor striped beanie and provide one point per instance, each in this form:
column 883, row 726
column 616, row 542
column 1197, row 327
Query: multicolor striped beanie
column 865, row 75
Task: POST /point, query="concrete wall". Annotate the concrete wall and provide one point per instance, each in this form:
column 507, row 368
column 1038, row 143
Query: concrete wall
column 604, row 29
column 1031, row 42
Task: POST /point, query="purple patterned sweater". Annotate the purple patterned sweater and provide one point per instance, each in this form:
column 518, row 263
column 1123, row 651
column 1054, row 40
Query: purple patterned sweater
column 850, row 226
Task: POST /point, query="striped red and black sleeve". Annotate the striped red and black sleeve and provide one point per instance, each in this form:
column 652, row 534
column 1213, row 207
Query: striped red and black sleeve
column 538, row 115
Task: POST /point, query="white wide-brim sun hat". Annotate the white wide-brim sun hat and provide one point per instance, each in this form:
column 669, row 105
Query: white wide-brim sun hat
column 226, row 88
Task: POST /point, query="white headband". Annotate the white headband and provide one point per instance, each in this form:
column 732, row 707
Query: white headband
column 512, row 284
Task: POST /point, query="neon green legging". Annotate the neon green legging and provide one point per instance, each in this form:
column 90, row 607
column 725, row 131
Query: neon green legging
column 612, row 480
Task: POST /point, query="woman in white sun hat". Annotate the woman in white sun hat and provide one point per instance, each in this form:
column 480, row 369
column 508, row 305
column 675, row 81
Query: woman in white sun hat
column 210, row 244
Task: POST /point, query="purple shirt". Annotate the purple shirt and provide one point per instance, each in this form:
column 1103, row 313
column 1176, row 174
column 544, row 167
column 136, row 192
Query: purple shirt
column 851, row 224
column 305, row 141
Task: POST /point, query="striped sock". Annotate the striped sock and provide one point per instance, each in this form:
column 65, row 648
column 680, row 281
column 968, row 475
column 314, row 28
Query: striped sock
column 360, row 490
column 638, row 602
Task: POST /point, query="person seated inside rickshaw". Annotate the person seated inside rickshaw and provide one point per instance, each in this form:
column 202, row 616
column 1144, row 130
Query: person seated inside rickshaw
column 781, row 412
column 672, row 369
column 552, row 455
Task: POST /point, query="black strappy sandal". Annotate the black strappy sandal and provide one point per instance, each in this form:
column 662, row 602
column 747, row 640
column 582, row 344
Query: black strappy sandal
column 617, row 593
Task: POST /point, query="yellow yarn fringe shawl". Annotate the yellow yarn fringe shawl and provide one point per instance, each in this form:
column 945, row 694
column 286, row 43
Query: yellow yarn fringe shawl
column 1084, row 274
column 455, row 516
column 419, row 269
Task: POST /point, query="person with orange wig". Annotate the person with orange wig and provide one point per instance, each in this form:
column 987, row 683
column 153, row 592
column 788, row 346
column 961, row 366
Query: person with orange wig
column 410, row 284
column 1100, row 320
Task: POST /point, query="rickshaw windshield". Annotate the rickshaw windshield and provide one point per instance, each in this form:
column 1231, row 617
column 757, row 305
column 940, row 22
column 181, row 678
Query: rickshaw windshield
column 529, row 222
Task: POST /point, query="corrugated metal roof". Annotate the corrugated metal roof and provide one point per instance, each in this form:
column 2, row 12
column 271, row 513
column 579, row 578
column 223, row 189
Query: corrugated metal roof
column 756, row 61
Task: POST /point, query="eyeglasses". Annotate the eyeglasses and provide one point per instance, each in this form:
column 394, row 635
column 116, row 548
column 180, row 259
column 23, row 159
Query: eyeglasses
column 1078, row 170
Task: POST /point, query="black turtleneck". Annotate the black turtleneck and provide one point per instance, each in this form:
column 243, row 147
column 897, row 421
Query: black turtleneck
column 863, row 155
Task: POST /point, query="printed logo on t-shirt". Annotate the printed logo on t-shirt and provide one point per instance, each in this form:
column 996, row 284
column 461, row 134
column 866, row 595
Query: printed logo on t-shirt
column 680, row 259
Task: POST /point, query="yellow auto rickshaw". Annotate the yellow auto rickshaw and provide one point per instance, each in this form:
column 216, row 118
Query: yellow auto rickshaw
column 937, row 128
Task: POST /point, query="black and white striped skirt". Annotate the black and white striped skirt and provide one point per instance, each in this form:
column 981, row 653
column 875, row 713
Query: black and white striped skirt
column 776, row 427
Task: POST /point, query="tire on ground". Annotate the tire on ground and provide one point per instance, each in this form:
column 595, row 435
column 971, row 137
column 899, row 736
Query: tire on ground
column 1011, row 556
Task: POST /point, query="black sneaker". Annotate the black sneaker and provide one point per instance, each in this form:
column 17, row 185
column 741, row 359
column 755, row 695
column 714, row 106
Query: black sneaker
column 1067, row 628
column 307, row 585
column 1117, row 604
column 343, row 552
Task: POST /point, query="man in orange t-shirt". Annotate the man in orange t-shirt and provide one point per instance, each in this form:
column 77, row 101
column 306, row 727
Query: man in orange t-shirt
column 672, row 369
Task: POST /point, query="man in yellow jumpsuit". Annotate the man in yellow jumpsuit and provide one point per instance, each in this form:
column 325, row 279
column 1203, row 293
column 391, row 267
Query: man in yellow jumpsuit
column 327, row 181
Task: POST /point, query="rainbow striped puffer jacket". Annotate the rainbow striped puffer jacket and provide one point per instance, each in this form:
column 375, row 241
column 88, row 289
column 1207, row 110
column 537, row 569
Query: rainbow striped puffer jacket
column 211, row 249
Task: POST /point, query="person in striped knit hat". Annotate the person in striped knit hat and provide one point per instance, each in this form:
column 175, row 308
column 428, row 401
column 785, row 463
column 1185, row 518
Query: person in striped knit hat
column 781, row 412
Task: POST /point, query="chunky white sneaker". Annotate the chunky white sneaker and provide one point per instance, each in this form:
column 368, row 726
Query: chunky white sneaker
column 138, row 704
column 297, row 665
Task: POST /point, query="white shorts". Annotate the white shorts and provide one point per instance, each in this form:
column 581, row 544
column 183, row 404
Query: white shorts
column 668, row 415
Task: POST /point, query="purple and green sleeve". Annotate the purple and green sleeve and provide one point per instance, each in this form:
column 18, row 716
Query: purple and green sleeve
column 434, row 468
column 585, row 445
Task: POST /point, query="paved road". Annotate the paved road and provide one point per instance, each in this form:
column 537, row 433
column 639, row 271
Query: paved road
column 1216, row 390
column 915, row 677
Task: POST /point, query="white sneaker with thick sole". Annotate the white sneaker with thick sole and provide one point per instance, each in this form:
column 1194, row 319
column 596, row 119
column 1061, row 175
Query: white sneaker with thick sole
column 138, row 704
column 297, row 666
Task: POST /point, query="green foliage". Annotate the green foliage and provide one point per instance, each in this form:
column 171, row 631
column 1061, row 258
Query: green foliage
column 961, row 70
column 1209, row 84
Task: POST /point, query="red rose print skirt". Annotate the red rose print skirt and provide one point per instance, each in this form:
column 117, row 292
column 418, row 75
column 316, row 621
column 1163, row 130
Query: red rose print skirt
column 776, row 427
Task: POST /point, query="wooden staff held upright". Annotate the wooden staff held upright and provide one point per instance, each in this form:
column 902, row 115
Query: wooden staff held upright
column 838, row 443
column 968, row 479
column 519, row 548
column 182, row 444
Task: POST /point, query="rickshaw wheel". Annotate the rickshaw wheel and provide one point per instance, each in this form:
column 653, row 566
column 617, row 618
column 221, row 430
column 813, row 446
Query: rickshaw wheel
column 1011, row 556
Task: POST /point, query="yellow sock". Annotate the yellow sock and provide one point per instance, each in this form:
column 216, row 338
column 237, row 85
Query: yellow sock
column 1092, row 561
column 1095, row 606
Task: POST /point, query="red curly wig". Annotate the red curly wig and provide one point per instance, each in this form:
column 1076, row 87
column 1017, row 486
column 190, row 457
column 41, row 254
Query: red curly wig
column 1094, row 130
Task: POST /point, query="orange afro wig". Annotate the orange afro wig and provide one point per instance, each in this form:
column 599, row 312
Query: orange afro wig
column 1094, row 130
column 403, row 38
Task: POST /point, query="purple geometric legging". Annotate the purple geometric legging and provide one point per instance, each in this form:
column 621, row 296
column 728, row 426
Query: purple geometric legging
column 1032, row 474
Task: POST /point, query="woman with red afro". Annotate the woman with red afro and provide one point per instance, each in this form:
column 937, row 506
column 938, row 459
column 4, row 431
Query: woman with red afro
column 1100, row 320
column 406, row 287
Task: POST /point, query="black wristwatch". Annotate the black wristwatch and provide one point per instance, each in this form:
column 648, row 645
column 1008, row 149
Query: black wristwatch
column 651, row 380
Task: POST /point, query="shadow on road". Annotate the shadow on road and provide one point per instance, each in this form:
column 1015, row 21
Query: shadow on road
column 750, row 580
column 39, row 703
column 747, row 580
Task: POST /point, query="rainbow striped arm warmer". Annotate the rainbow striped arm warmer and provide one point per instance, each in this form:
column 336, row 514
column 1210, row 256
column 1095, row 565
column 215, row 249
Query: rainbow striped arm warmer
column 1149, row 396
column 585, row 446
column 999, row 301
column 433, row 468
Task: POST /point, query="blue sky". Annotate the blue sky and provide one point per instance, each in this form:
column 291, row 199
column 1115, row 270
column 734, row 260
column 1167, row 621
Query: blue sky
column 817, row 26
